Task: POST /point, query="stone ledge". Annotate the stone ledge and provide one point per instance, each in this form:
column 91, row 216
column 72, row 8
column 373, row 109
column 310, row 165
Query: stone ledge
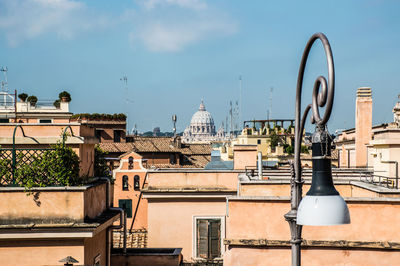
column 316, row 243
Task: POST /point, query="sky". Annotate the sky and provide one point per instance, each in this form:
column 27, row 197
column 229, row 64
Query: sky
column 176, row 52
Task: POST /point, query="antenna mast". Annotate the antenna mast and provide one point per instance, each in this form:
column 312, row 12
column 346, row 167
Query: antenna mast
column 240, row 99
column 269, row 112
column 174, row 121
column 124, row 79
column 231, row 115
column 4, row 84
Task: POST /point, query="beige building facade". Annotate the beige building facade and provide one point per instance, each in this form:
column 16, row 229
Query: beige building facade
column 52, row 223
column 198, row 210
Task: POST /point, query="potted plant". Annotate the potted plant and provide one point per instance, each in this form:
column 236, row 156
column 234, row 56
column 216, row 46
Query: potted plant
column 22, row 96
column 56, row 103
column 64, row 96
column 32, row 100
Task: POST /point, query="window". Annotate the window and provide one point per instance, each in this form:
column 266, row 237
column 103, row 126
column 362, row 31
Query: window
column 130, row 160
column 125, row 184
column 136, row 182
column 259, row 141
column 96, row 260
column 98, row 134
column 172, row 159
column 208, row 238
column 117, row 135
column 45, row 121
column 126, row 205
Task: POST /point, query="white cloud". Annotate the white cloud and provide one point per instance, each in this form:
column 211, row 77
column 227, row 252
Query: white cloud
column 172, row 25
column 190, row 4
column 159, row 25
column 26, row 19
column 173, row 37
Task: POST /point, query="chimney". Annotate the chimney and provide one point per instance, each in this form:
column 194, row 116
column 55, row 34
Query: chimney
column 244, row 155
column 363, row 124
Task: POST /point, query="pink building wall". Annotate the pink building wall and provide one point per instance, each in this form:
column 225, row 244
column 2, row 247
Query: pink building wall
column 363, row 125
column 137, row 169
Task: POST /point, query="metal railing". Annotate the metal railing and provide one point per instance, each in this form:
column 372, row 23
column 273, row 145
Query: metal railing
column 11, row 159
column 337, row 173
column 384, row 181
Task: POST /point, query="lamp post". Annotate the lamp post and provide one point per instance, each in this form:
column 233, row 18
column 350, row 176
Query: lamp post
column 322, row 205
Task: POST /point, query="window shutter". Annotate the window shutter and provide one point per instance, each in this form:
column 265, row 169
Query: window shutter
column 202, row 238
column 214, row 238
column 126, row 205
column 129, row 209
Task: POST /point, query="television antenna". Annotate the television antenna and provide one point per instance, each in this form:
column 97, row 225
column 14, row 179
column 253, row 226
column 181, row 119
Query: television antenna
column 269, row 111
column 4, row 83
column 124, row 79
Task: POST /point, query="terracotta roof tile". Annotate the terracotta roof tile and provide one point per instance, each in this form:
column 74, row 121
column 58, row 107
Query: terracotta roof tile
column 156, row 144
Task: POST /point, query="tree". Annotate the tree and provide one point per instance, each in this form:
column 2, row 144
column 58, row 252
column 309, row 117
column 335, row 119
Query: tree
column 101, row 168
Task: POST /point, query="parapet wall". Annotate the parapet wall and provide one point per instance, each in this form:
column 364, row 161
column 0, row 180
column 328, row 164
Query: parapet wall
column 51, row 204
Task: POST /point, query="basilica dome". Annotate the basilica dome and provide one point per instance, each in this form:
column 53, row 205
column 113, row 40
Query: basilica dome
column 202, row 117
column 201, row 128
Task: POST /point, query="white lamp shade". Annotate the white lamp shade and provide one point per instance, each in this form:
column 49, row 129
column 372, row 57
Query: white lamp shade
column 323, row 210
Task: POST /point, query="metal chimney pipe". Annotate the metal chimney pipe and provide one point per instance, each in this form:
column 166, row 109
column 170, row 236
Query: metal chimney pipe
column 259, row 165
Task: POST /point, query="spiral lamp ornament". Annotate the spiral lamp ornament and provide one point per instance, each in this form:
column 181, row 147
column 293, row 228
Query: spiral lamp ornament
column 322, row 96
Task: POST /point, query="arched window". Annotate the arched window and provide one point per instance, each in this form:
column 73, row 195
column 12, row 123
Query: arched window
column 130, row 160
column 125, row 184
column 136, row 182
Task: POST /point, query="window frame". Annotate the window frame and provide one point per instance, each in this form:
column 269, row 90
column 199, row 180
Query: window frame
column 194, row 234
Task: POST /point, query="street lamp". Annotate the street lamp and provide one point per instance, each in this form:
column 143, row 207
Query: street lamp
column 322, row 204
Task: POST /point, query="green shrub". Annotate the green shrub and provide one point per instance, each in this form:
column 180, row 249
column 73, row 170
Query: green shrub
column 32, row 99
column 5, row 171
column 56, row 103
column 100, row 165
column 23, row 96
column 304, row 149
column 65, row 94
column 96, row 116
column 57, row 167
column 289, row 149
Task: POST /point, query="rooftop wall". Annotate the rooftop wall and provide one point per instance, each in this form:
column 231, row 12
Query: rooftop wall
column 190, row 179
column 262, row 218
column 51, row 204
column 44, row 130
column 281, row 188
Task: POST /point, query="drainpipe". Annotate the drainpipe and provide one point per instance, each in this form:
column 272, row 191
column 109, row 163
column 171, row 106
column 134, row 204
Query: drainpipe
column 124, row 247
column 348, row 158
column 397, row 171
column 122, row 214
column 260, row 168
column 122, row 220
